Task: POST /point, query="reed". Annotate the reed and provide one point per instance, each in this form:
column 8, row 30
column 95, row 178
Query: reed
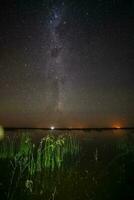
column 49, row 154
column 28, row 161
column 7, row 148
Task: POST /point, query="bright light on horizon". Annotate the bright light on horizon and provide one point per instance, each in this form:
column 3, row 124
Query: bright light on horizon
column 52, row 127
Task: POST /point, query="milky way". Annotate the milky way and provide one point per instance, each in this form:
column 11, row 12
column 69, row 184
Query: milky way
column 55, row 67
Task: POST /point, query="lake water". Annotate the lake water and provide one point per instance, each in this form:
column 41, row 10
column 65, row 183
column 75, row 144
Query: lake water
column 69, row 165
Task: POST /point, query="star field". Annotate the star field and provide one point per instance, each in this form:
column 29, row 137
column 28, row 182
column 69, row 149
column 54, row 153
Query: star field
column 66, row 63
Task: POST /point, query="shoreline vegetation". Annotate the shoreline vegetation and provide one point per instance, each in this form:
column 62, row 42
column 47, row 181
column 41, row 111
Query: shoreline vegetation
column 56, row 164
column 28, row 162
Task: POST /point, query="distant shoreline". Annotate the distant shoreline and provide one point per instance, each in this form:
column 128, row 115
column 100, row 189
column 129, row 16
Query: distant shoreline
column 69, row 129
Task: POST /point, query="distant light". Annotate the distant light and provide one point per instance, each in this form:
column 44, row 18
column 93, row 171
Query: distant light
column 1, row 133
column 52, row 127
column 118, row 127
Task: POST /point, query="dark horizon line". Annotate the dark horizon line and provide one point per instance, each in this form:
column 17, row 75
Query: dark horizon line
column 93, row 128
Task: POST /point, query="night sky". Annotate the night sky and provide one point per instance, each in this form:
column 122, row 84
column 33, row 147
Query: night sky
column 66, row 63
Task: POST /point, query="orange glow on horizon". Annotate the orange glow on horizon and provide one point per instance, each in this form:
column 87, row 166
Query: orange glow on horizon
column 116, row 126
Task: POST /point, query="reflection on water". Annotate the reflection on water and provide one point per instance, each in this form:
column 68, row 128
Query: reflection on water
column 73, row 165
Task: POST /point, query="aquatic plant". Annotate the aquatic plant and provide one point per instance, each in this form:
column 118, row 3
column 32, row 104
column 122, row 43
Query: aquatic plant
column 49, row 154
column 27, row 161
column 52, row 150
column 7, row 148
column 52, row 154
column 29, row 185
column 26, row 152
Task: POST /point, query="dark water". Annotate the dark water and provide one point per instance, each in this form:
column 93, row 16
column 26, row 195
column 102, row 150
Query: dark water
column 69, row 165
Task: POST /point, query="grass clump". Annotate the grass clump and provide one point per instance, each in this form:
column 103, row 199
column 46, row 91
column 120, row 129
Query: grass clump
column 7, row 148
column 49, row 154
column 29, row 161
